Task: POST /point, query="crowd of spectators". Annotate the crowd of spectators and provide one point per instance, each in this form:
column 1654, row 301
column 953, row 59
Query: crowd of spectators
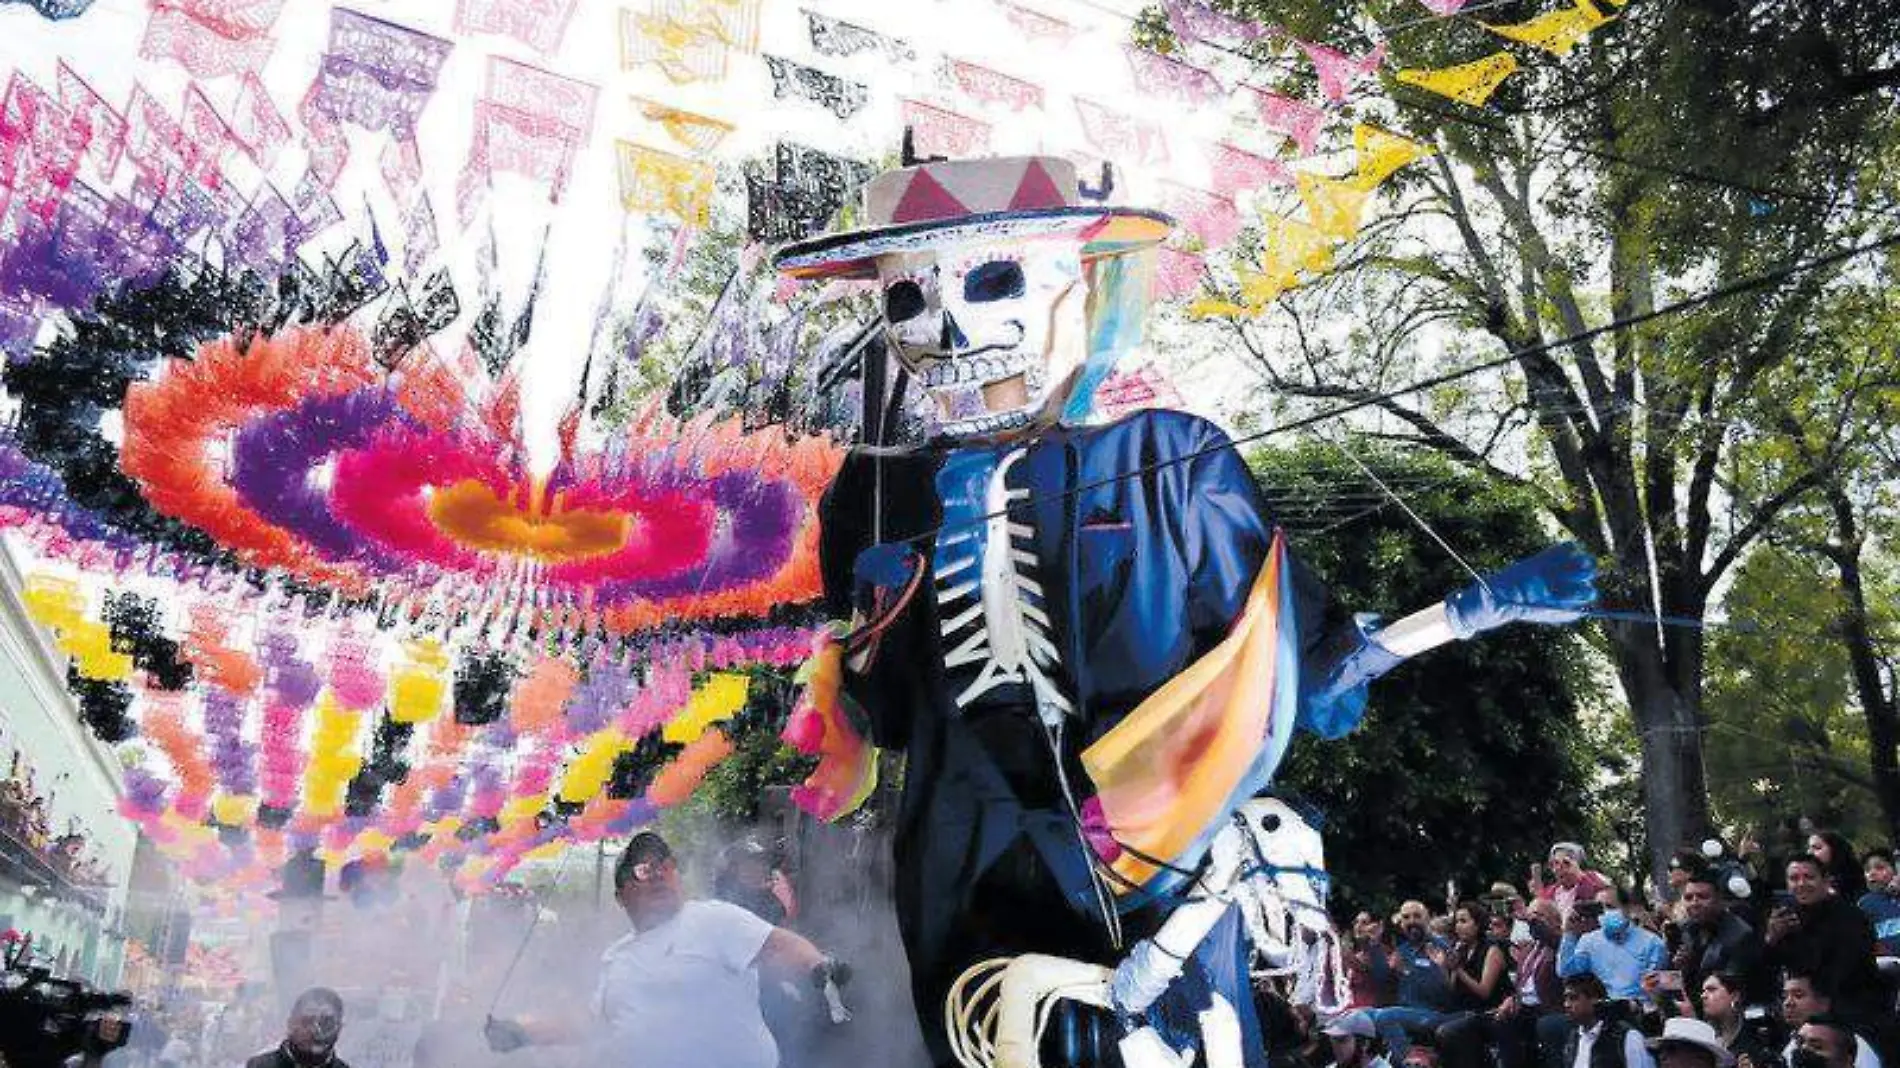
column 25, row 820
column 1739, row 964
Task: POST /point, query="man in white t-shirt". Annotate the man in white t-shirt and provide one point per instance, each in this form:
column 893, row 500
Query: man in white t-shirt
column 681, row 990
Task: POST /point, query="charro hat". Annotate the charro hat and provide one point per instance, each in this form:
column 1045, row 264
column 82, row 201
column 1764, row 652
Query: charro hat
column 948, row 202
column 1687, row 1031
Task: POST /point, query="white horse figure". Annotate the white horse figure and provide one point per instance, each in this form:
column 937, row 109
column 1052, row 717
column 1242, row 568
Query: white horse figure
column 1268, row 862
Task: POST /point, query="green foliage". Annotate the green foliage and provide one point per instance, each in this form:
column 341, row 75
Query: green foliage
column 1471, row 759
column 1686, row 147
column 1785, row 738
column 735, row 785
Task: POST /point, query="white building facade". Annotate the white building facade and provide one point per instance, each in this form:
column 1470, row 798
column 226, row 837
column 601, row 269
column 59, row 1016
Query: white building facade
column 74, row 922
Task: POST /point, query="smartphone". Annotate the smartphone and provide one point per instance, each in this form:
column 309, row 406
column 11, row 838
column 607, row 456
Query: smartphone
column 1520, row 932
column 1783, row 899
column 1671, row 981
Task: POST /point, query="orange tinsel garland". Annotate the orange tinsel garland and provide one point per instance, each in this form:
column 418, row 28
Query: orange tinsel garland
column 677, row 781
column 170, row 422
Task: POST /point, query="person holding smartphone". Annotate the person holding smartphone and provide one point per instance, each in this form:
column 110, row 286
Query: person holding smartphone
column 1619, row 952
column 1713, row 939
column 1815, row 931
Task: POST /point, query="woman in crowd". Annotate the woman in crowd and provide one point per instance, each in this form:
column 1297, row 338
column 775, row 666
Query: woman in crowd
column 1841, row 863
column 1479, row 968
column 1724, row 996
column 1479, row 964
column 1368, row 937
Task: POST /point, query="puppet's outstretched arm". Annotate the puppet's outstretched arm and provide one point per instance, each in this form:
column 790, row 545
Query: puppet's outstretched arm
column 1555, row 586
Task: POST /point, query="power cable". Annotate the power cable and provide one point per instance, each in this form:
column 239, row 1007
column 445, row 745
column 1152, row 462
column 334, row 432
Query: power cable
column 1687, row 174
column 1713, row 296
column 1621, row 159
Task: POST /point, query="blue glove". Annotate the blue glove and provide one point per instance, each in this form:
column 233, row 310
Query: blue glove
column 1555, row 586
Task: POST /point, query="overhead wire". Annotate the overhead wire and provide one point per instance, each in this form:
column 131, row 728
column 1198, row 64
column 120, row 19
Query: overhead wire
column 1449, row 115
column 1690, row 303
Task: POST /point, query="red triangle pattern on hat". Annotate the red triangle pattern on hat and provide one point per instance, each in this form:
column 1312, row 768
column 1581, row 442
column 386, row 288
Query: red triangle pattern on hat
column 1037, row 191
column 926, row 200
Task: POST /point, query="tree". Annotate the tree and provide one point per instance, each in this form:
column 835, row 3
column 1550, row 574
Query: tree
column 1784, row 741
column 1687, row 146
column 1471, row 759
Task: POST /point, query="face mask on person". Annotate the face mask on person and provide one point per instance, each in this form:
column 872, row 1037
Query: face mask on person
column 1807, row 1058
column 1615, row 924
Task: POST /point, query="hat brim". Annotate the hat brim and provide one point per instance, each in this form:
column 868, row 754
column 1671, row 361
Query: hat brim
column 1722, row 1056
column 1104, row 231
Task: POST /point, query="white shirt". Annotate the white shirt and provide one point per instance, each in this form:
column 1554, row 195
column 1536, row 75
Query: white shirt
column 685, row 994
column 1864, row 1055
column 1635, row 1053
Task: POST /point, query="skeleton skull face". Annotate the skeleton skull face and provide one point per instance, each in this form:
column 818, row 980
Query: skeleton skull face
column 989, row 330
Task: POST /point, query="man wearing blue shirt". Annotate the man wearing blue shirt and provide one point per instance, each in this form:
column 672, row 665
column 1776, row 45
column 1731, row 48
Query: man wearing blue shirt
column 1618, row 952
column 1424, row 986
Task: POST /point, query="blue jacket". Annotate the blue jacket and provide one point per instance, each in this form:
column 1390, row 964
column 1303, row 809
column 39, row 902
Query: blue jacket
column 1883, row 911
column 1620, row 964
column 1134, row 579
column 1422, row 984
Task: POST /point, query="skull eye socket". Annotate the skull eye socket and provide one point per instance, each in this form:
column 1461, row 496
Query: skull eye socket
column 995, row 280
column 1270, row 823
column 903, row 300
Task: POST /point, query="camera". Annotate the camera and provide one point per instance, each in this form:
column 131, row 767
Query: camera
column 44, row 1020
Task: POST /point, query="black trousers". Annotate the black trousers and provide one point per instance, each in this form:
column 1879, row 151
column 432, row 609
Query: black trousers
column 1520, row 1041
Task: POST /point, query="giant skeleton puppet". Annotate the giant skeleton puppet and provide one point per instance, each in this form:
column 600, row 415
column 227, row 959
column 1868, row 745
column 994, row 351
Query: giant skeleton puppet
column 1090, row 640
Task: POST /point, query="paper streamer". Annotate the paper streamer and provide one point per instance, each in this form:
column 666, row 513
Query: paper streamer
column 1334, row 207
column 716, row 700
column 93, row 121
column 259, row 125
column 1337, row 71
column 1120, row 136
column 1557, row 32
column 1381, row 154
column 660, row 183
column 700, row 133
column 211, row 38
column 1295, row 119
column 1468, row 83
column 1160, row 76
column 688, row 40
column 539, row 24
column 836, row 37
column 1235, row 170
column 990, row 86
column 1212, row 219
column 938, row 131
column 840, row 96
column 1039, row 25
column 1199, row 23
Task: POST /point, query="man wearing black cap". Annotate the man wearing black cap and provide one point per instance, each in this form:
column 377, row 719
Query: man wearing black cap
column 682, row 990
